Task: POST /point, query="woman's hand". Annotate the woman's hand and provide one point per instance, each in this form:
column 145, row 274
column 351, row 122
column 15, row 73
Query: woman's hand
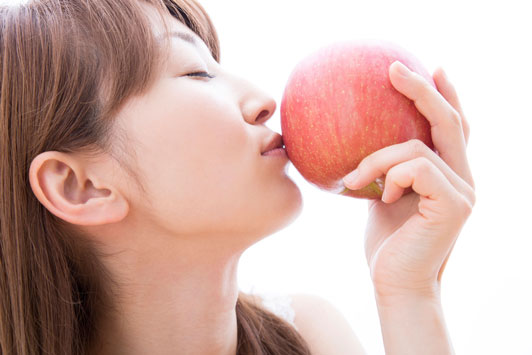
column 409, row 237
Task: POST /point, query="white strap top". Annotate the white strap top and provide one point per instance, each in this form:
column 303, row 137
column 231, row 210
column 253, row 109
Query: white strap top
column 280, row 305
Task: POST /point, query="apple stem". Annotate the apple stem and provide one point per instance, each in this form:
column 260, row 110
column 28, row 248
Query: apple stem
column 375, row 188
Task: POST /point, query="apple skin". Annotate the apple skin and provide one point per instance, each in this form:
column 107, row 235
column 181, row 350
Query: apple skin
column 339, row 106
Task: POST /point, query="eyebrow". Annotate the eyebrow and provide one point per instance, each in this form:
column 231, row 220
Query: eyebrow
column 184, row 36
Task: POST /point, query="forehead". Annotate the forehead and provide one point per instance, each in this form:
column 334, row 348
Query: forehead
column 173, row 24
column 178, row 33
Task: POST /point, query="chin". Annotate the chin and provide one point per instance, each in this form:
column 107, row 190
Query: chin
column 280, row 208
column 297, row 199
column 290, row 206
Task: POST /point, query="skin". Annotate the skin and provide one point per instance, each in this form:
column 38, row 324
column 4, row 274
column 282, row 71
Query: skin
column 409, row 238
column 174, row 248
column 210, row 194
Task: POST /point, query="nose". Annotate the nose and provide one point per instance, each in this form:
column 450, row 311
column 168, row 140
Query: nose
column 257, row 106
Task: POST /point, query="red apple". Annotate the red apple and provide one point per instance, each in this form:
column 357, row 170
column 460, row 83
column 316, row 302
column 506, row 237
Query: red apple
column 339, row 106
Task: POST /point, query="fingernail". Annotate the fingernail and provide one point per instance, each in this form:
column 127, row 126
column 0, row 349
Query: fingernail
column 351, row 178
column 384, row 196
column 402, row 69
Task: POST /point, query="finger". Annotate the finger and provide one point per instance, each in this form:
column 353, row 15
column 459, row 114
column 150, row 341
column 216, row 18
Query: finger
column 445, row 121
column 447, row 90
column 380, row 162
column 438, row 197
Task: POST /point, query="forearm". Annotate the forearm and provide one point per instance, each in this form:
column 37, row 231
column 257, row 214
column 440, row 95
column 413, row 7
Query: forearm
column 413, row 325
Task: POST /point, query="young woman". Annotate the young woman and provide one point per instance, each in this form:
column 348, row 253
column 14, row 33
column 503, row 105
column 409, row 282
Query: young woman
column 133, row 179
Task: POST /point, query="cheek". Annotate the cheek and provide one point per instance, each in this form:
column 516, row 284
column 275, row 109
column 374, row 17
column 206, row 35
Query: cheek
column 214, row 150
column 211, row 141
column 196, row 161
column 194, row 130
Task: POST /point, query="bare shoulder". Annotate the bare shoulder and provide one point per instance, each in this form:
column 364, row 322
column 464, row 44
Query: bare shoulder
column 324, row 327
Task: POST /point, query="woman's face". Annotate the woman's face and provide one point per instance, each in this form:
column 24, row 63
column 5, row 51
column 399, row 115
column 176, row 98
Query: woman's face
column 198, row 144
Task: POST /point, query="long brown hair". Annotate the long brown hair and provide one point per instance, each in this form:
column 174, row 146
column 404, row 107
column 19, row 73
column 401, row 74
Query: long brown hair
column 67, row 67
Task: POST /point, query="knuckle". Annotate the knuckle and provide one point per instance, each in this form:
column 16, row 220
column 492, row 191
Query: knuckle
column 472, row 197
column 417, row 148
column 422, row 165
column 454, row 118
column 462, row 203
column 422, row 82
column 424, row 91
column 465, row 206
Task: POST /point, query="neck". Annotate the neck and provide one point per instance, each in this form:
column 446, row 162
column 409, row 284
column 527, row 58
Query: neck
column 172, row 303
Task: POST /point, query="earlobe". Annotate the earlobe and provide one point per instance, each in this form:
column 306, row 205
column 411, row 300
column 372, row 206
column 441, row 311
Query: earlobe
column 61, row 183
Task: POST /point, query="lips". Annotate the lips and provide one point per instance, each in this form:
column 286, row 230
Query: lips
column 275, row 142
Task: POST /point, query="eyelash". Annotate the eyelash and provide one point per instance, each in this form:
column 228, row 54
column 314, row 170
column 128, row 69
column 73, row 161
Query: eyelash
column 202, row 74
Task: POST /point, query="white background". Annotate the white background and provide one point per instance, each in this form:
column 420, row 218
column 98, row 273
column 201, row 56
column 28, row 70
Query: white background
column 485, row 48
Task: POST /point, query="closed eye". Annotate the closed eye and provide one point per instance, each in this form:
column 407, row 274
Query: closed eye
column 202, row 74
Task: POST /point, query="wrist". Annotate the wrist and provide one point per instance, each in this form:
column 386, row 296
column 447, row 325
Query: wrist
column 413, row 323
column 394, row 296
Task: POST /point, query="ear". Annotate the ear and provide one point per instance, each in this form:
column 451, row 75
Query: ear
column 61, row 183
